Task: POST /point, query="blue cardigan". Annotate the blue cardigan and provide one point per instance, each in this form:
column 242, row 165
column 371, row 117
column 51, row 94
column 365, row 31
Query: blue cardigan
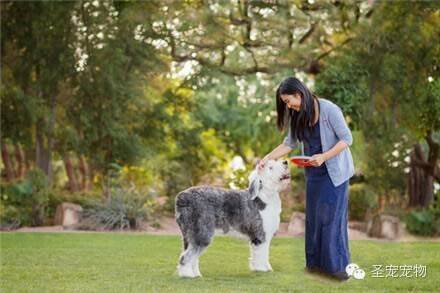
column 333, row 128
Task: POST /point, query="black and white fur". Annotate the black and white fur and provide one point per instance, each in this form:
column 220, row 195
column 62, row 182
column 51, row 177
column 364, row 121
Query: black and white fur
column 255, row 212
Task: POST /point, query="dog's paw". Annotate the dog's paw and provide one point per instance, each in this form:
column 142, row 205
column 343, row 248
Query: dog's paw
column 196, row 273
column 186, row 272
column 264, row 270
column 261, row 268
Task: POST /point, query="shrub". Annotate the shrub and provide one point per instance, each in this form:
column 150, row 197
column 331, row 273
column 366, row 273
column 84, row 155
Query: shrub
column 25, row 202
column 10, row 217
column 58, row 196
column 361, row 200
column 239, row 178
column 425, row 222
column 125, row 208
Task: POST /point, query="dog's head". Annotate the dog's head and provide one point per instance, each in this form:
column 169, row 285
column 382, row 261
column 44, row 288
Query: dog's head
column 274, row 176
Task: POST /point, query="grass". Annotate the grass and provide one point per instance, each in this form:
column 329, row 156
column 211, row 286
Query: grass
column 118, row 262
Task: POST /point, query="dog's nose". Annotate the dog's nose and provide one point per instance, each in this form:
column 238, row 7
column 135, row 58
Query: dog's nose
column 285, row 162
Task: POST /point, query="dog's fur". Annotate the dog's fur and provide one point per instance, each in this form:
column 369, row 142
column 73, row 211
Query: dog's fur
column 255, row 212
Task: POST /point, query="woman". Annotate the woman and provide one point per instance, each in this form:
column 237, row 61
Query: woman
column 320, row 126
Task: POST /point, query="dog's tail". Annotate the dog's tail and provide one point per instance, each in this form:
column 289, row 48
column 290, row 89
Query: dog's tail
column 183, row 200
column 182, row 207
column 181, row 223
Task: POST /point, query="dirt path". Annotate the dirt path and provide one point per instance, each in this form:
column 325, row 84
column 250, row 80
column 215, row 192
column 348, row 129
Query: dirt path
column 168, row 226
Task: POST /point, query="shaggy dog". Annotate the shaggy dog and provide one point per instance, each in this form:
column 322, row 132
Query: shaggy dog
column 254, row 212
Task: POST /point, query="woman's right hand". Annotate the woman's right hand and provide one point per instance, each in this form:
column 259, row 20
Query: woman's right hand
column 262, row 163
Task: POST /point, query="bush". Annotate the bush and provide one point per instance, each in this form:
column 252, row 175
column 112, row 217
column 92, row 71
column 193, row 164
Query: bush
column 25, row 202
column 361, row 200
column 10, row 218
column 239, row 178
column 58, row 196
column 125, row 208
column 425, row 222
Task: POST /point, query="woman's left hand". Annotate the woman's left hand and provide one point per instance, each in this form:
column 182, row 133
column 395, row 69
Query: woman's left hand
column 317, row 160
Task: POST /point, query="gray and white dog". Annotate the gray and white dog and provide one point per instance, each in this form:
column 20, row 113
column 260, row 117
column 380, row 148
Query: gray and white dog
column 255, row 212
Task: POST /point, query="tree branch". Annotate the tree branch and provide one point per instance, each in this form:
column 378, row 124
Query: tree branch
column 308, row 33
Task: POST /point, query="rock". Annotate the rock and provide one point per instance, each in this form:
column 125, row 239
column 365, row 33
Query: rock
column 384, row 226
column 67, row 214
column 357, row 225
column 297, row 224
column 356, row 235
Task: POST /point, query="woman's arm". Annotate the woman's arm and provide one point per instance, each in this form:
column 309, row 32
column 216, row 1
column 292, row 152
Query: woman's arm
column 336, row 149
column 319, row 159
column 340, row 127
column 278, row 152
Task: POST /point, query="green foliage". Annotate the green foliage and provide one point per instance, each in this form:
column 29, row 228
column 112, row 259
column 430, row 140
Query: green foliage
column 348, row 87
column 125, row 208
column 124, row 204
column 239, row 179
column 254, row 36
column 402, row 65
column 96, row 78
column 242, row 111
column 12, row 217
column 58, row 196
column 130, row 199
column 423, row 222
column 362, row 200
column 388, row 157
column 25, row 202
column 430, row 107
column 109, row 110
column 386, row 79
column 36, row 58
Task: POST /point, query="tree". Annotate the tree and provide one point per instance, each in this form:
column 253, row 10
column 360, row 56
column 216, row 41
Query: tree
column 246, row 37
column 394, row 81
column 37, row 58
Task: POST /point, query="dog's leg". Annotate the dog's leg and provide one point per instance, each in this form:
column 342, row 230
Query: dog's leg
column 195, row 264
column 266, row 254
column 259, row 260
column 202, row 239
column 185, row 267
column 195, row 267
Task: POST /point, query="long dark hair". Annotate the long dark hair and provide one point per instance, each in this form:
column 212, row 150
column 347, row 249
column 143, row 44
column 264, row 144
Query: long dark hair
column 302, row 119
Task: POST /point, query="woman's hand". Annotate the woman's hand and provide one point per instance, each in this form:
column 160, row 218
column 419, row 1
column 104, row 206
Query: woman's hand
column 262, row 162
column 317, row 160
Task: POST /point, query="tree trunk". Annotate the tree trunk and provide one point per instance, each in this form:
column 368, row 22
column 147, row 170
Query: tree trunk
column 44, row 141
column 21, row 161
column 420, row 182
column 37, row 215
column 73, row 183
column 8, row 163
column 50, row 138
column 42, row 156
column 83, row 168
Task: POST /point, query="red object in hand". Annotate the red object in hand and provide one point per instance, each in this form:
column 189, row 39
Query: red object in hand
column 301, row 161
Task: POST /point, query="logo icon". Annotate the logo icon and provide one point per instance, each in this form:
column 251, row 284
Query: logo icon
column 355, row 271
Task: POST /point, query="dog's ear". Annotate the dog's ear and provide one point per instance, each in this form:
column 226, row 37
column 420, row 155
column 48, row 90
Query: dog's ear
column 255, row 185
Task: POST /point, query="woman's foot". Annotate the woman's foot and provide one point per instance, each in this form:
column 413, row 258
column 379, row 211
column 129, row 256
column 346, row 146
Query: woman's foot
column 313, row 270
column 341, row 276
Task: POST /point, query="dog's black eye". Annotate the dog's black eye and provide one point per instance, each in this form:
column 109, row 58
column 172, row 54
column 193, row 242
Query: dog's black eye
column 270, row 168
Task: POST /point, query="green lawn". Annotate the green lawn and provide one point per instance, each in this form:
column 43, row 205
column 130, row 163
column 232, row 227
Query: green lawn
column 115, row 262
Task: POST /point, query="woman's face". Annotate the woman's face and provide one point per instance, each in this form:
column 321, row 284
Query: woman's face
column 292, row 101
